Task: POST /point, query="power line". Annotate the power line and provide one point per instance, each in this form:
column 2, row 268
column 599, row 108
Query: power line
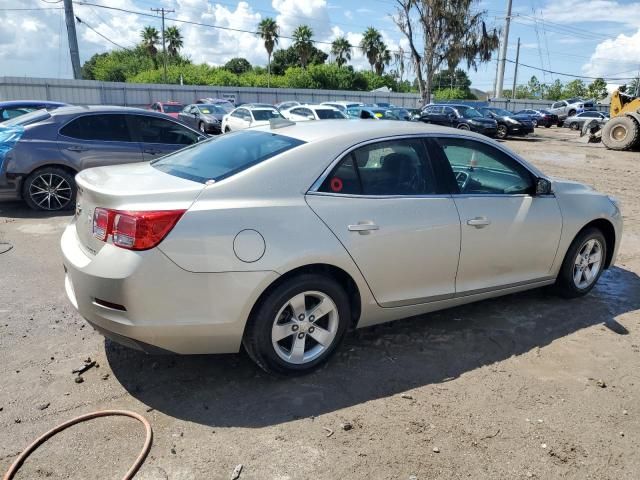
column 79, row 20
column 567, row 74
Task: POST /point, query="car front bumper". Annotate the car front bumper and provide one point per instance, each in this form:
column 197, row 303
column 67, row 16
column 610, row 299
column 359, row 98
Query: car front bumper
column 145, row 301
column 523, row 129
column 488, row 131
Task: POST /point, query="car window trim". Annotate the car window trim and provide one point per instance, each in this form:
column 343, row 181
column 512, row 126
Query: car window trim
column 96, row 140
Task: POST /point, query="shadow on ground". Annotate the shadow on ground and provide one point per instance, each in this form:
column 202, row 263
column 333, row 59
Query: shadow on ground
column 375, row 362
column 17, row 209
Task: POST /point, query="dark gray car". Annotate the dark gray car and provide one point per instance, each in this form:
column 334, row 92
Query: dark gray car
column 204, row 117
column 41, row 152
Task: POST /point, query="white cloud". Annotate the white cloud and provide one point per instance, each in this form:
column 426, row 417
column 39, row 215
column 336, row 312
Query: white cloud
column 579, row 11
column 625, row 49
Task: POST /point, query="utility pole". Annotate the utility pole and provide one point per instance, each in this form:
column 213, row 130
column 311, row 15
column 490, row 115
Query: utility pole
column 515, row 73
column 503, row 52
column 70, row 19
column 162, row 11
column 495, row 80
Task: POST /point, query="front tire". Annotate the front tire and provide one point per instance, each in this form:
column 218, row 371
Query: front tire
column 502, row 131
column 463, row 126
column 298, row 325
column 573, row 126
column 49, row 189
column 583, row 264
column 621, row 133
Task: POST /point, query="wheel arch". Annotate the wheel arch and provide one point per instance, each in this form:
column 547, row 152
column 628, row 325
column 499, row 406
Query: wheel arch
column 62, row 166
column 609, row 232
column 344, row 279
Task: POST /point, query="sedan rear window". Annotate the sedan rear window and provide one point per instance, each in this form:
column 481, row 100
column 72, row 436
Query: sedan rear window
column 225, row 156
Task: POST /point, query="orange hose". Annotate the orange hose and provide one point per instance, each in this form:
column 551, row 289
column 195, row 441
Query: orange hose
column 102, row 413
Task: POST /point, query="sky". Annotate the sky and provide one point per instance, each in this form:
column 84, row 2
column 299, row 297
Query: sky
column 580, row 37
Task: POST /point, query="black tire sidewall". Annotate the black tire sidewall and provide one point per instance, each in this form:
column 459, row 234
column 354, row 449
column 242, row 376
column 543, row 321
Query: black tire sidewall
column 565, row 283
column 44, row 171
column 257, row 339
column 502, row 132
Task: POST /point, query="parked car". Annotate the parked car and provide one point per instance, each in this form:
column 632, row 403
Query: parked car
column 343, row 106
column 245, row 117
column 206, row 118
column 224, row 103
column 280, row 240
column 462, row 117
column 401, row 113
column 541, row 118
column 569, row 108
column 509, row 124
column 285, row 105
column 313, row 112
column 46, row 149
column 15, row 108
column 577, row 121
column 371, row 113
column 169, row 108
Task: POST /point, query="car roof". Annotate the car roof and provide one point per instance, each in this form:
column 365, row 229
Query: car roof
column 315, row 106
column 26, row 103
column 78, row 109
column 173, row 102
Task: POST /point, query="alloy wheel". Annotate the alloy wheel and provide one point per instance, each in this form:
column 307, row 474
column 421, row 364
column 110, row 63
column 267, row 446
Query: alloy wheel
column 501, row 132
column 50, row 191
column 305, row 327
column 587, row 263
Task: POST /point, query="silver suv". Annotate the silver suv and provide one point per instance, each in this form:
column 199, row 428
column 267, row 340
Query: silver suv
column 569, row 108
column 41, row 152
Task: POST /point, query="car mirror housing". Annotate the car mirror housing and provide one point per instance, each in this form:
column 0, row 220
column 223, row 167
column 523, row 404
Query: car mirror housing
column 543, row 186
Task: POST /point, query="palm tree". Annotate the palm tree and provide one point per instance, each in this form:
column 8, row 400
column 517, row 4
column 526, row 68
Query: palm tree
column 341, row 50
column 269, row 30
column 370, row 44
column 302, row 43
column 150, row 38
column 174, row 40
column 383, row 58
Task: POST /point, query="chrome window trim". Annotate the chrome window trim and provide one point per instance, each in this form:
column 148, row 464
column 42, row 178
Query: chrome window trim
column 318, row 183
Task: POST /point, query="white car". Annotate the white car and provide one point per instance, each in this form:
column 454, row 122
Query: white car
column 343, row 106
column 282, row 238
column 245, row 117
column 303, row 113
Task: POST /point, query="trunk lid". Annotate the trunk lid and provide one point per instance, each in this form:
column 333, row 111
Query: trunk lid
column 137, row 186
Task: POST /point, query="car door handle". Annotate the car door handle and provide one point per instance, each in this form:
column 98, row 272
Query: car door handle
column 363, row 228
column 77, row 148
column 479, row 222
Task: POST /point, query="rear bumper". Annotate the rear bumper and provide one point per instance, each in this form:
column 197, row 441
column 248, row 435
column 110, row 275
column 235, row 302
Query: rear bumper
column 154, row 305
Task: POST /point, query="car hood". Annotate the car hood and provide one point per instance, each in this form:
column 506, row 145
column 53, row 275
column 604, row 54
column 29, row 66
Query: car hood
column 212, row 117
column 562, row 186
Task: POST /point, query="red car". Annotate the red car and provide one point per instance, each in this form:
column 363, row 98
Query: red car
column 170, row 108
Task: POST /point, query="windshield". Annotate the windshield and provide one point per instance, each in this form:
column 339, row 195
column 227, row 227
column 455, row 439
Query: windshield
column 262, row 115
column 468, row 112
column 224, row 156
column 226, row 106
column 27, row 118
column 324, row 114
column 173, row 108
column 211, row 109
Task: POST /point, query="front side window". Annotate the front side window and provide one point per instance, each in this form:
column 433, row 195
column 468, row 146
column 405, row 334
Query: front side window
column 225, row 155
column 396, row 167
column 107, row 127
column 481, row 169
column 158, row 130
column 324, row 114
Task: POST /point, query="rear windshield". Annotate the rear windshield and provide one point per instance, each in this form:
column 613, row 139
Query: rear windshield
column 224, row 156
column 324, row 114
column 27, row 118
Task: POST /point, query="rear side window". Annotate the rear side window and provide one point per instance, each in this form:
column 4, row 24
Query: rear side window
column 225, row 156
column 110, row 127
column 261, row 115
column 396, row 167
column 149, row 129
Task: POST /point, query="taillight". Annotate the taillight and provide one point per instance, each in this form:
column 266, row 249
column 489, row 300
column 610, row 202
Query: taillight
column 134, row 230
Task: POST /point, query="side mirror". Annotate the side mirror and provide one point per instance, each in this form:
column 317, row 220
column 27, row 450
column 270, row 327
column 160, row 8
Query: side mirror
column 543, row 186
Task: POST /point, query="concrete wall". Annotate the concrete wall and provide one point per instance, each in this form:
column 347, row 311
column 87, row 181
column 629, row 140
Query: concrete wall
column 91, row 92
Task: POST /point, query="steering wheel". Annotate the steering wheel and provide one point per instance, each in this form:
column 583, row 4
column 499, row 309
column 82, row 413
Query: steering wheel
column 462, row 178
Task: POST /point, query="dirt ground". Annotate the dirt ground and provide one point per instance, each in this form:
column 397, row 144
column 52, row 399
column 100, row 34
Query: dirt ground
column 525, row 386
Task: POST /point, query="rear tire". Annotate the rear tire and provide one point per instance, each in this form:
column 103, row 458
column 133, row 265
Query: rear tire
column 582, row 257
column 49, row 189
column 502, row 132
column 621, row 133
column 287, row 312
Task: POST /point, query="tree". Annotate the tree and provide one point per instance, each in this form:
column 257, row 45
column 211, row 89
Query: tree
column 457, row 78
column 174, row 40
column 150, row 38
column 302, row 43
column 88, row 67
column 453, row 30
column 534, row 86
column 341, row 50
column 597, row 89
column 370, row 45
column 574, row 88
column 554, row 91
column 238, row 65
column 287, row 58
column 382, row 58
column 269, row 32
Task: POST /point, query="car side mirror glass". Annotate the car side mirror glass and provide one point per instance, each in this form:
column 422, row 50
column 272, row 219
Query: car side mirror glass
column 543, row 186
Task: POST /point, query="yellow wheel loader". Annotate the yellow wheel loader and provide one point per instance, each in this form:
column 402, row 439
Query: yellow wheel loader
column 622, row 132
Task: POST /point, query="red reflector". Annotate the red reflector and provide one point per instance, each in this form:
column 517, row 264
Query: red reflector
column 138, row 230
